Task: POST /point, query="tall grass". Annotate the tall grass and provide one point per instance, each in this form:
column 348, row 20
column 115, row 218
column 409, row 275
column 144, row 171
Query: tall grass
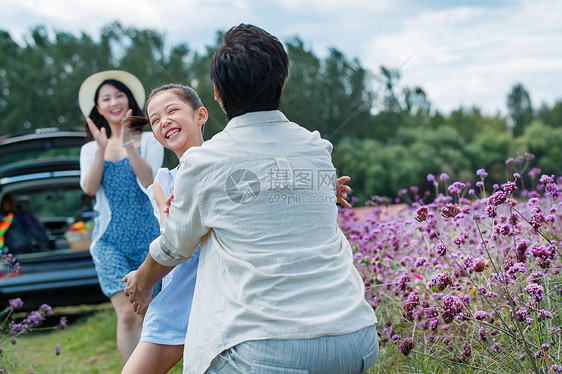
column 87, row 346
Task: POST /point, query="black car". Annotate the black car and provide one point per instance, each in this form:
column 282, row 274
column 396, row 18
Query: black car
column 39, row 187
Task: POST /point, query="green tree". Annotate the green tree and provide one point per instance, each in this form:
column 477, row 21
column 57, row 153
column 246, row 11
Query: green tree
column 545, row 143
column 551, row 116
column 331, row 96
column 519, row 108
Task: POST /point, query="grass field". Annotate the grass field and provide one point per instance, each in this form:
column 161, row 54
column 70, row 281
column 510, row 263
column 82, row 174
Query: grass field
column 88, row 347
column 87, row 344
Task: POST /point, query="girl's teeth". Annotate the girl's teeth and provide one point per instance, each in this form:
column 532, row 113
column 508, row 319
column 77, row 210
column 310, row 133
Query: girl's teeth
column 172, row 133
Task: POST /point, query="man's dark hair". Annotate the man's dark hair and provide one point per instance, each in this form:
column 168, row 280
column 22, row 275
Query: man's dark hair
column 98, row 119
column 249, row 70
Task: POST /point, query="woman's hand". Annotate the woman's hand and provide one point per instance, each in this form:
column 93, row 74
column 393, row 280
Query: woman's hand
column 138, row 298
column 99, row 135
column 342, row 190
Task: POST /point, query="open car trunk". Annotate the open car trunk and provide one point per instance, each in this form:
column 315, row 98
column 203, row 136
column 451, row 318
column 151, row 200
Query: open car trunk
column 39, row 186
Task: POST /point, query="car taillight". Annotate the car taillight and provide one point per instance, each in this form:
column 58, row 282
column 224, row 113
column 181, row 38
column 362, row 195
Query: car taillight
column 9, row 274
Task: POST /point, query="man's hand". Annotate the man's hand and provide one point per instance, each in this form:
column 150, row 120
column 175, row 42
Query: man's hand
column 342, row 190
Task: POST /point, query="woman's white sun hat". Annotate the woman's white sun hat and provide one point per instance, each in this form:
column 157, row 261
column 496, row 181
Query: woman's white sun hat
column 89, row 87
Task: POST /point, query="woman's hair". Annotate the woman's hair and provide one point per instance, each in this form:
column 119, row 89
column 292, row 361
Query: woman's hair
column 100, row 120
column 249, row 70
column 184, row 93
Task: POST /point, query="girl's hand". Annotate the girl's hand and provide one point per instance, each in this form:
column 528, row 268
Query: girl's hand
column 342, row 190
column 168, row 202
column 139, row 298
column 99, row 135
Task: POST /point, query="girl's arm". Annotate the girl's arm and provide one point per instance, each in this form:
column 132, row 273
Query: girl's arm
column 160, row 201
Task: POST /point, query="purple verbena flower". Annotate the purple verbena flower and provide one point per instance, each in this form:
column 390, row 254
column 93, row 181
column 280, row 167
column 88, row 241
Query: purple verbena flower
column 497, row 198
column 15, row 303
column 440, row 249
column 34, row 319
column 497, row 347
column 433, row 324
column 536, row 291
column 480, row 315
column 521, row 251
column 544, row 314
column 514, row 270
column 509, row 187
column 450, row 211
column 440, row 281
column 421, row 214
column 16, row 328
column 545, row 252
column 479, row 265
column 546, row 179
column 551, row 190
column 491, row 211
column 406, row 346
column 46, row 310
column 482, row 334
column 521, row 314
column 537, row 220
column 504, row 230
column 420, row 261
column 535, row 172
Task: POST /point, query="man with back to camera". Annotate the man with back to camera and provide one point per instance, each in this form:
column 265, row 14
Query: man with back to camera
column 276, row 285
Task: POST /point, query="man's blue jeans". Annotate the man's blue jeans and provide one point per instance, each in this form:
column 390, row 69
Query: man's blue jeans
column 344, row 354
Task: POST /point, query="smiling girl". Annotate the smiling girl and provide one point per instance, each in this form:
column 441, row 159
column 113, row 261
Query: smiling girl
column 176, row 115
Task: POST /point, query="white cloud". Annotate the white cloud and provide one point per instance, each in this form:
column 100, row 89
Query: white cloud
column 473, row 56
column 462, row 53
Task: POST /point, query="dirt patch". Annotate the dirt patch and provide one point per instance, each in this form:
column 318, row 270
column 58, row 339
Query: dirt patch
column 378, row 213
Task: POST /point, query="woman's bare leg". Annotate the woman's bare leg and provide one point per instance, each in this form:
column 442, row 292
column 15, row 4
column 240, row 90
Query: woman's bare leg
column 153, row 358
column 128, row 325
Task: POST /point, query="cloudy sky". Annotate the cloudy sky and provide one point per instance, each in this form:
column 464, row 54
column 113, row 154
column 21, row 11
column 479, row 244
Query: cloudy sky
column 462, row 52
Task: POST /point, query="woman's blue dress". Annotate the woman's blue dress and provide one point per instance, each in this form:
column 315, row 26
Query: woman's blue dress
column 124, row 245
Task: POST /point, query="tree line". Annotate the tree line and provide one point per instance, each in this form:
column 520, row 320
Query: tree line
column 386, row 136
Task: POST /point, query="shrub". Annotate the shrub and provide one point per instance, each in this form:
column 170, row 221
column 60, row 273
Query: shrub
column 470, row 279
